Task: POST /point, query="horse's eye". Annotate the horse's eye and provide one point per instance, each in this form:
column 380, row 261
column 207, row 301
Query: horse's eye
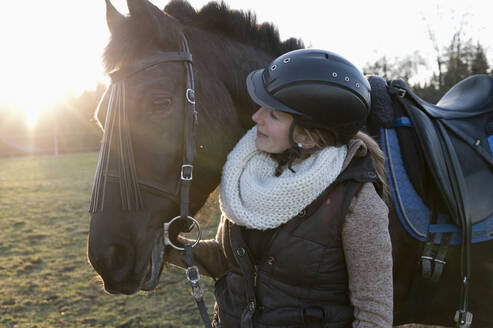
column 161, row 103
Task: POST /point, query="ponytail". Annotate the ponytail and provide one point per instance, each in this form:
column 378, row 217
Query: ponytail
column 378, row 159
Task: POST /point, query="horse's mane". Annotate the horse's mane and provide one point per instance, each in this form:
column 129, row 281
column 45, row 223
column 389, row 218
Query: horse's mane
column 238, row 25
column 130, row 41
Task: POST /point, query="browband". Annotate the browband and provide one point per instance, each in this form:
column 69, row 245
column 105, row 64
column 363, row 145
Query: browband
column 127, row 71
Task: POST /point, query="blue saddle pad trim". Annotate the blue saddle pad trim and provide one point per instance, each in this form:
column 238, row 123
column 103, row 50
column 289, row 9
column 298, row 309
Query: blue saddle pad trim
column 403, row 121
column 490, row 142
column 450, row 228
column 416, row 211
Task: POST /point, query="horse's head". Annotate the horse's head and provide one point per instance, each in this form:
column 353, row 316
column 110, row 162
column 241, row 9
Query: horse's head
column 137, row 180
column 147, row 117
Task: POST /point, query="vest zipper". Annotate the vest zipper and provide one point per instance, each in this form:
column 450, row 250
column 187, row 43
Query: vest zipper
column 255, row 274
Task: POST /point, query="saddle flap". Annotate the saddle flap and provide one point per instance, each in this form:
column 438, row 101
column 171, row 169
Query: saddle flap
column 413, row 213
column 435, row 155
column 458, row 160
column 478, row 179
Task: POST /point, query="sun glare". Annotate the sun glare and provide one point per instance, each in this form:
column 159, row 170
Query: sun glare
column 43, row 61
column 31, row 118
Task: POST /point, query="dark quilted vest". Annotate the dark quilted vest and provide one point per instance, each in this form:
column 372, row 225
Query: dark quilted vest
column 301, row 279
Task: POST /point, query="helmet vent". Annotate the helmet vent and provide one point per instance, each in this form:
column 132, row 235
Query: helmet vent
column 346, row 79
column 286, row 60
column 273, row 67
column 334, row 74
column 357, row 85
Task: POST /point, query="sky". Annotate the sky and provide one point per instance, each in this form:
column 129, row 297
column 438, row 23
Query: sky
column 53, row 48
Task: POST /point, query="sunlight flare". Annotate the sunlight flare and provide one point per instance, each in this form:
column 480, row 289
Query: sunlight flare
column 32, row 117
column 48, row 58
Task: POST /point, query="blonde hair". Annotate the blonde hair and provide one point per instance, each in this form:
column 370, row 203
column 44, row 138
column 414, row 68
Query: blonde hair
column 378, row 158
column 324, row 138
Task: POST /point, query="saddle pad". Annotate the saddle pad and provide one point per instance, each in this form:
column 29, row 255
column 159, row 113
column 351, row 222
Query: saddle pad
column 416, row 216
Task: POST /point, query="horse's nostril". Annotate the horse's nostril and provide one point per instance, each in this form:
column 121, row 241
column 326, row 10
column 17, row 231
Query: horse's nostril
column 120, row 258
column 116, row 256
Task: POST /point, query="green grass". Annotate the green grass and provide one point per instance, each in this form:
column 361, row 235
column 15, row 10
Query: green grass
column 45, row 279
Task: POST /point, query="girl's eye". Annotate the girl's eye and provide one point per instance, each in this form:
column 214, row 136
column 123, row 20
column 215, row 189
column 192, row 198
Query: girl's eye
column 273, row 115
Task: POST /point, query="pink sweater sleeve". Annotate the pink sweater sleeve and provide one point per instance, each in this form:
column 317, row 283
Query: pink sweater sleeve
column 368, row 252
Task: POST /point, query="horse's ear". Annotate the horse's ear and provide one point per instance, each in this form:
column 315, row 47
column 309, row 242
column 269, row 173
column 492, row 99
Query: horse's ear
column 140, row 7
column 113, row 17
column 163, row 27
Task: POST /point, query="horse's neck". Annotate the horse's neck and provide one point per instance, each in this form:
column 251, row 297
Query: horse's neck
column 222, row 67
column 223, row 104
column 228, row 62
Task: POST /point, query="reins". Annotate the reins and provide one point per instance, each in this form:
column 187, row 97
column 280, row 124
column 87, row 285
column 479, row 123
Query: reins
column 117, row 126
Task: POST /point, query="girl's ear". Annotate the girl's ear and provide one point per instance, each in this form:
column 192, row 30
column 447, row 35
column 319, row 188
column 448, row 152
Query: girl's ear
column 305, row 138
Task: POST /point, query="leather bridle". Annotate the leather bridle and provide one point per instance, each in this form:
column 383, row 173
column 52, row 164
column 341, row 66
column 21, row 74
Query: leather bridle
column 130, row 184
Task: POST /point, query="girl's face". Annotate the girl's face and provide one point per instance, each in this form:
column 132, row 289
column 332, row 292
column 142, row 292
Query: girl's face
column 272, row 130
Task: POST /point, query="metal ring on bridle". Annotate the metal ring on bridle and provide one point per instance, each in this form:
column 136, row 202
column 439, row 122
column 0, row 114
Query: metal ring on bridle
column 166, row 226
column 190, row 94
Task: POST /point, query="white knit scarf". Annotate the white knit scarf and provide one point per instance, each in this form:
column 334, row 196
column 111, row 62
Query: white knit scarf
column 252, row 196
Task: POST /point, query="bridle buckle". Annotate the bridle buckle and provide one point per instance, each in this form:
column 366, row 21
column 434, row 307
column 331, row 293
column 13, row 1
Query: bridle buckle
column 186, row 173
column 190, row 95
column 193, row 274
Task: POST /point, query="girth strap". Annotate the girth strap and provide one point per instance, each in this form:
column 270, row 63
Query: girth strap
column 432, row 260
column 427, row 257
column 439, row 260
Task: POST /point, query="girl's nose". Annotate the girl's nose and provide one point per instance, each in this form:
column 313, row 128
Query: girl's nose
column 257, row 116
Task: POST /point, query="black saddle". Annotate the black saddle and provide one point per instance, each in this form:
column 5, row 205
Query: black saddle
column 470, row 97
column 453, row 136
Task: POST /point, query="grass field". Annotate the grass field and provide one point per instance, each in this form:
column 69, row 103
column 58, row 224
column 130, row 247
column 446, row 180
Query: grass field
column 45, row 279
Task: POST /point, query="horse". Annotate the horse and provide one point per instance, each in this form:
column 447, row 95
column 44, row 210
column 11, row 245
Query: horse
column 151, row 171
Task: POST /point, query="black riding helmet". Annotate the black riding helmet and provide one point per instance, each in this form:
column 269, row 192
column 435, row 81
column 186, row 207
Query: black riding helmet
column 319, row 88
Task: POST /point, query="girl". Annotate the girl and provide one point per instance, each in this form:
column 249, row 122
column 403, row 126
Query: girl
column 303, row 239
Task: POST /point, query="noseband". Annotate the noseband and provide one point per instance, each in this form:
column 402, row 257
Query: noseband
column 117, row 132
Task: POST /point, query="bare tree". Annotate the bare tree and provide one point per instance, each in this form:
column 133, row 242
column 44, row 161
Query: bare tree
column 396, row 68
column 479, row 63
column 440, row 46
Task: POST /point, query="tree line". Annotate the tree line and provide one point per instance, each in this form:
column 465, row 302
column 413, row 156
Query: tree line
column 455, row 62
column 68, row 127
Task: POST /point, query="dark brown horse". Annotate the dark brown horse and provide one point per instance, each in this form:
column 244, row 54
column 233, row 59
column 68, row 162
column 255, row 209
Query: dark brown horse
column 145, row 110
